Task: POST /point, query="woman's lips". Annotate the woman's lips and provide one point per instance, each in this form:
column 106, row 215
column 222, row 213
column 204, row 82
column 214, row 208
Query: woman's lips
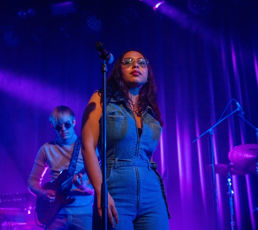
column 135, row 73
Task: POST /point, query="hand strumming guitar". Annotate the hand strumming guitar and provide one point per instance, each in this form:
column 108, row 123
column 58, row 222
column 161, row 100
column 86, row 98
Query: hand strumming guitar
column 48, row 194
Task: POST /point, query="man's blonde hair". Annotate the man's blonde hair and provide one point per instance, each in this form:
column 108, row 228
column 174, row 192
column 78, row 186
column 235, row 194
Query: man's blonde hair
column 61, row 109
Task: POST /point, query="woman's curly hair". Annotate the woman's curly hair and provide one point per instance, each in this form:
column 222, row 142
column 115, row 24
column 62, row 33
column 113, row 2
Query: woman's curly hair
column 116, row 87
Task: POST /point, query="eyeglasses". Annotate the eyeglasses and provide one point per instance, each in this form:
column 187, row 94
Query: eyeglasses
column 129, row 61
column 67, row 125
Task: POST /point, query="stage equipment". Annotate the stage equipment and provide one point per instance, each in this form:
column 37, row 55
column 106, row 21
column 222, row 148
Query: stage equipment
column 244, row 157
column 225, row 169
column 17, row 211
column 246, row 153
column 243, row 160
column 107, row 58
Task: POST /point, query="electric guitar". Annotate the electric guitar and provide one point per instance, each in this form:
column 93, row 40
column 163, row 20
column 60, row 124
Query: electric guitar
column 46, row 210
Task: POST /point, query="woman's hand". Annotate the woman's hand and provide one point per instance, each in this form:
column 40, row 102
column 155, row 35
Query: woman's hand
column 111, row 211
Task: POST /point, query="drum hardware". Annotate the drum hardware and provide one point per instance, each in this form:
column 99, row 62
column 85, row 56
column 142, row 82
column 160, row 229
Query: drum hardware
column 243, row 160
column 248, row 155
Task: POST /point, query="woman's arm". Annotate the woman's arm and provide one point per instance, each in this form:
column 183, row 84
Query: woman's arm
column 90, row 137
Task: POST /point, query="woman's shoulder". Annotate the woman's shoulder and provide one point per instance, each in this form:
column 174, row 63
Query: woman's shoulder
column 96, row 97
column 114, row 97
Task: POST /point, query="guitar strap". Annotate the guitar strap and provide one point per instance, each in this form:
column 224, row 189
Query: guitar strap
column 76, row 150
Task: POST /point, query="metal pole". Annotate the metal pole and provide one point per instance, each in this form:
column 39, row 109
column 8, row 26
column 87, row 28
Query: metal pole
column 211, row 132
column 231, row 202
column 104, row 197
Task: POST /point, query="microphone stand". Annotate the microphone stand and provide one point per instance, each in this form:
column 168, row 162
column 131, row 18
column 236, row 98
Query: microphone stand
column 107, row 59
column 241, row 115
column 229, row 177
column 211, row 132
column 104, row 197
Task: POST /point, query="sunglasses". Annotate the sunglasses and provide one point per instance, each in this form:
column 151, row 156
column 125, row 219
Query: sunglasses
column 67, row 125
column 129, row 61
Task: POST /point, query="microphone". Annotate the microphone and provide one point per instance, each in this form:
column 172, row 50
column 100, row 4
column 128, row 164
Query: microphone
column 103, row 53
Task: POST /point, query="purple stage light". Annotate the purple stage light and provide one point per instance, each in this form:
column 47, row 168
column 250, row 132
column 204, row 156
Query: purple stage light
column 186, row 21
column 172, row 12
column 251, row 202
column 63, row 8
column 162, row 157
column 200, row 162
column 157, row 5
column 218, row 188
column 218, row 195
column 247, row 178
column 34, row 93
column 256, row 68
column 234, row 178
column 179, row 156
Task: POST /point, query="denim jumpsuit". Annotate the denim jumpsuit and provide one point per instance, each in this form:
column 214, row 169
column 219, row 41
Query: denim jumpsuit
column 132, row 182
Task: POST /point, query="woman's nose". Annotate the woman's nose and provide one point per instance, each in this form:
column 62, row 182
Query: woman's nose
column 135, row 64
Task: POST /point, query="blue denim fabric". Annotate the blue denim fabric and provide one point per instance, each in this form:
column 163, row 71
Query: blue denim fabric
column 71, row 222
column 123, row 141
column 133, row 184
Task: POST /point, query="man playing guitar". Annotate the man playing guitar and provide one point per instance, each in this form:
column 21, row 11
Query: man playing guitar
column 74, row 209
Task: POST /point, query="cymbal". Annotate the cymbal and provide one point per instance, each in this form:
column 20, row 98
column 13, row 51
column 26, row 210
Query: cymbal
column 244, row 157
column 224, row 169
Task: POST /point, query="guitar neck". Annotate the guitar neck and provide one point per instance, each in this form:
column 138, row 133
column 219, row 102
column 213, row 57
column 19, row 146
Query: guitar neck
column 68, row 182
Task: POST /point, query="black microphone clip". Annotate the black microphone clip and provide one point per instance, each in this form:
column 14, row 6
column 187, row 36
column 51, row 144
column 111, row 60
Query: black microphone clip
column 104, row 54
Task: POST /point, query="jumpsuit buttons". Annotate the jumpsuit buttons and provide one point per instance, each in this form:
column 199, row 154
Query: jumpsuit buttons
column 136, row 154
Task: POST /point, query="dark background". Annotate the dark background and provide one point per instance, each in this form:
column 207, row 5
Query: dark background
column 204, row 53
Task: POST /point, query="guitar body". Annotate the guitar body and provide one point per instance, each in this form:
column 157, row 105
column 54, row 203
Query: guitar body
column 46, row 210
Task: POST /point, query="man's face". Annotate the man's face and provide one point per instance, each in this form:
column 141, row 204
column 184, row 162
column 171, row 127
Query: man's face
column 64, row 126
